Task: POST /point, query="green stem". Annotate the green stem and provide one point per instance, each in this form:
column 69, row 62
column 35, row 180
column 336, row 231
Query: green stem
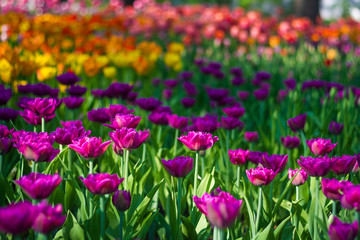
column 34, row 167
column 297, row 193
column 238, row 177
column 334, row 208
column 41, row 236
column 303, row 140
column 35, row 128
column 215, row 233
column 43, row 124
column 290, row 162
column 159, row 135
column 126, row 170
column 196, row 173
column 69, row 161
column 102, row 217
column 143, row 153
column 202, row 165
column 175, row 142
column 316, row 208
column 259, row 210
column 227, row 140
column 271, row 193
column 220, row 234
column 179, row 182
column 91, row 166
column 121, row 225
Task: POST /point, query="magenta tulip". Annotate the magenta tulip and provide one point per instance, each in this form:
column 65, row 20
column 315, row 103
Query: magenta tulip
column 315, row 167
column 89, row 147
column 179, row 166
column 251, row 136
column 320, row 147
column 300, row 178
column 297, row 123
column 333, row 189
column 351, row 198
column 274, row 162
column 196, row 141
column 336, row 128
column 343, row 165
column 234, row 111
column 48, row 218
column 290, row 142
column 128, row 138
column 261, row 176
column 124, row 120
column 343, row 231
column 238, row 156
column 102, row 183
column 177, row 122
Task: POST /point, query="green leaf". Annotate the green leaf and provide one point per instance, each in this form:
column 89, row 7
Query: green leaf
column 283, row 195
column 188, row 229
column 206, row 184
column 72, row 229
column 280, row 228
column 267, row 233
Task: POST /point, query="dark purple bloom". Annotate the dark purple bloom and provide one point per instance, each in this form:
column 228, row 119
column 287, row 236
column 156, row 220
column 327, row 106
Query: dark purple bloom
column 177, row 122
column 207, row 123
column 98, row 93
column 218, row 74
column 290, row 142
column 236, row 71
column 236, row 81
column 255, row 157
column 66, row 135
column 25, row 89
column 119, row 90
column 5, row 95
column 261, row 93
column 100, row 115
column 290, row 83
column 234, row 111
column 41, row 89
column 333, row 189
column 262, row 75
column 188, row 102
column 231, row 123
column 186, row 75
column 315, row 167
column 335, row 128
column 148, row 103
column 215, row 65
column 124, row 120
column 54, row 93
column 179, row 166
column 5, row 145
column 73, row 102
column 190, row 89
column 68, row 78
column 48, row 218
column 119, row 109
column 343, row 231
column 159, row 118
column 200, row 62
column 343, row 165
column 251, row 136
column 243, row 95
column 77, row 90
column 297, row 123
column 121, row 200
column 274, row 162
column 170, row 83
column 217, row 94
column 102, row 183
column 167, row 94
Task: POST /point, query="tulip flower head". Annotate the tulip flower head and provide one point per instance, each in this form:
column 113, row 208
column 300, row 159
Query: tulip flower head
column 89, row 147
column 320, row 147
column 48, row 218
column 177, row 122
column 261, row 176
column 234, row 111
column 350, row 198
column 297, row 123
column 290, row 142
column 238, row 156
column 68, row 78
column 128, row 138
column 121, row 200
column 339, row 230
column 251, row 136
column 315, row 167
column 197, row 141
column 179, row 166
column 300, row 178
column 333, row 188
column 66, row 135
column 124, row 120
column 343, row 165
column 336, row 128
column 274, row 162
column 102, row 183
column 231, row 123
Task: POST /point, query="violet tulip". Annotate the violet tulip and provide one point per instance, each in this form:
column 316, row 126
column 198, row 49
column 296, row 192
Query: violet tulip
column 261, row 176
column 333, row 188
column 119, row 109
column 230, row 123
column 102, row 183
column 196, row 141
column 207, row 123
column 73, row 102
column 124, row 120
column 261, row 94
column 17, row 218
column 179, row 166
column 251, row 136
column 336, row 128
column 89, row 147
column 66, row 135
column 234, row 111
column 48, row 218
column 290, row 142
column 121, row 200
column 128, row 138
column 343, row 231
column 7, row 114
column 315, row 167
column 39, row 186
column 159, row 118
column 5, row 145
column 300, row 178
column 148, row 104
column 297, row 123
column 351, row 198
column 177, row 122
column 343, row 165
column 188, row 102
column 238, row 156
column 320, row 147
column 68, row 78
column 220, row 208
column 274, row 162
column 77, row 90
column 255, row 156
column 100, row 115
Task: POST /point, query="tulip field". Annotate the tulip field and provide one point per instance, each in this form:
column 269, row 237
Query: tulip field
column 177, row 122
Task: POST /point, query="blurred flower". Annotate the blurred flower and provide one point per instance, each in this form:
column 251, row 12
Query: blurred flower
column 231, row 123
column 351, row 198
column 68, row 78
column 243, row 95
column 333, row 189
column 73, row 102
column 89, row 147
column 66, row 135
column 102, row 183
column 261, row 93
column 39, row 186
column 179, row 166
column 188, row 102
column 217, row 94
column 119, row 109
column 238, row 156
column 234, row 111
column 196, row 141
column 148, row 104
column 110, row 72
column 177, row 122
column 300, row 178
column 190, row 89
column 251, row 136
column 220, row 208
column 121, row 200
column 290, row 142
column 315, row 167
column 207, row 123
column 48, row 218
column 7, row 114
column 5, row 95
column 76, row 90
column 290, row 83
column 124, row 120
column 274, row 162
column 46, row 73
column 297, row 123
column 17, row 218
column 335, row 128
column 343, row 165
column 343, row 231
column 170, row 83
column 159, row 118
column 320, row 147
column 128, row 138
column 261, row 176
column 100, row 115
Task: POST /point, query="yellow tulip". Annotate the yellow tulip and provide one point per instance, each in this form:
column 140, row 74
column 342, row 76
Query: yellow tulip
column 46, row 73
column 109, row 72
column 5, row 70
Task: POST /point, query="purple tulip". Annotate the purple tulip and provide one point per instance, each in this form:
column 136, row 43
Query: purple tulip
column 238, row 156
column 128, row 138
column 343, row 165
column 48, row 218
column 124, row 120
column 315, row 167
column 237, row 81
column 159, row 118
column 5, row 132
column 196, row 141
column 186, row 75
column 262, row 75
column 290, row 83
column 66, row 135
column 54, row 93
column 188, row 102
column 102, row 183
column 261, row 93
column 170, row 83
column 177, row 122
column 297, row 123
column 121, row 200
column 234, row 111
column 343, row 231
column 333, row 189
column 236, row 71
column 73, row 102
column 255, row 157
column 98, row 93
column 231, row 123
column 26, row 89
column 320, row 147
column 100, row 115
column 179, row 166
column 351, row 198
column 220, row 208
column 38, row 108
column 335, row 128
column 282, row 94
column 251, row 136
column 5, row 95
column 243, row 95
column 300, row 178
column 31, row 118
column 148, row 104
column 119, row 109
column 7, row 114
column 17, row 218
column 217, row 94
column 274, row 162
column 261, row 176
column 77, row 90
column 156, row 81
column 190, row 89
column 39, row 186
column 207, row 123
column 167, row 94
column 41, row 89
column 68, row 78
column 5, row 145
column 290, row 142
column 117, row 90
column 89, row 147
column 76, row 123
